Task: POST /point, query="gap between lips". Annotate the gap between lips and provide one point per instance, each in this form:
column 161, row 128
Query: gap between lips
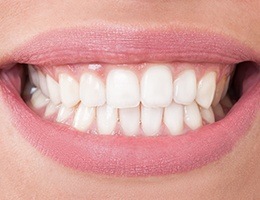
column 131, row 100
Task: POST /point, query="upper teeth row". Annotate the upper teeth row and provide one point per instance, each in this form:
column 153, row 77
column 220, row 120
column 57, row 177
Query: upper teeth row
column 157, row 88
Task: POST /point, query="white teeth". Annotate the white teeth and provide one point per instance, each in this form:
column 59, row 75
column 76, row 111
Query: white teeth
column 207, row 115
column 43, row 84
column 122, row 89
column 38, row 99
column 185, row 87
column 106, row 119
column 33, row 76
column 51, row 109
column 225, row 88
column 173, row 118
column 192, row 116
column 206, row 89
column 219, row 91
column 84, row 117
column 124, row 104
column 151, row 119
column 130, row 120
column 157, row 87
column 54, row 90
column 69, row 90
column 92, row 90
column 64, row 114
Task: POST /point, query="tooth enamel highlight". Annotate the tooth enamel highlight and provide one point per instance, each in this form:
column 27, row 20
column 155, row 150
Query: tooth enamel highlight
column 84, row 117
column 185, row 87
column 122, row 89
column 33, row 76
column 43, row 84
column 130, row 120
column 173, row 118
column 69, row 90
column 151, row 119
column 206, row 89
column 192, row 116
column 207, row 115
column 157, row 87
column 64, row 114
column 92, row 90
column 54, row 90
column 38, row 99
column 106, row 119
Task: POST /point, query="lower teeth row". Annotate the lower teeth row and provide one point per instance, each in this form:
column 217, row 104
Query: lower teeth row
column 175, row 119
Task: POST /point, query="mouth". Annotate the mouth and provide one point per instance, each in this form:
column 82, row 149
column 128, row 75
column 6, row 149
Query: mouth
column 132, row 105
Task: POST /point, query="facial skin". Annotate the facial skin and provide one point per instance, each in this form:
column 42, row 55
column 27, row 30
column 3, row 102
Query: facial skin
column 27, row 174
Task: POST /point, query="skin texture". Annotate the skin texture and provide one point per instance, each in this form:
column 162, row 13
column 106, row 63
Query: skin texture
column 27, row 174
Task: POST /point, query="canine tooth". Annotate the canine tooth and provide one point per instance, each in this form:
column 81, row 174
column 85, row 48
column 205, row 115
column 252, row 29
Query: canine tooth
column 64, row 114
column 192, row 116
column 225, row 88
column 33, row 76
column 185, row 87
column 151, row 119
column 106, row 119
column 130, row 120
column 122, row 89
column 206, row 89
column 219, row 112
column 84, row 117
column 173, row 118
column 51, row 109
column 157, row 87
column 54, row 90
column 69, row 90
column 219, row 90
column 43, row 84
column 38, row 99
column 207, row 115
column 92, row 90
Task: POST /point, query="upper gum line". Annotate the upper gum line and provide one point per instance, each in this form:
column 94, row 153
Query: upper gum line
column 102, row 70
column 141, row 90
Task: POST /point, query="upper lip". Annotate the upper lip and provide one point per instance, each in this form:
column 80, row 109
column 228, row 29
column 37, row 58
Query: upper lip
column 122, row 45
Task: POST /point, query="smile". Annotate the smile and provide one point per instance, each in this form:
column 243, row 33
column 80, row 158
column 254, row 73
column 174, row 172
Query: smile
column 139, row 103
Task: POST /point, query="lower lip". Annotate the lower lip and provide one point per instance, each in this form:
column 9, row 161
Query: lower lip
column 139, row 156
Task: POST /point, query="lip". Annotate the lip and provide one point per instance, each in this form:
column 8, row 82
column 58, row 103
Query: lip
column 127, row 45
column 119, row 155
